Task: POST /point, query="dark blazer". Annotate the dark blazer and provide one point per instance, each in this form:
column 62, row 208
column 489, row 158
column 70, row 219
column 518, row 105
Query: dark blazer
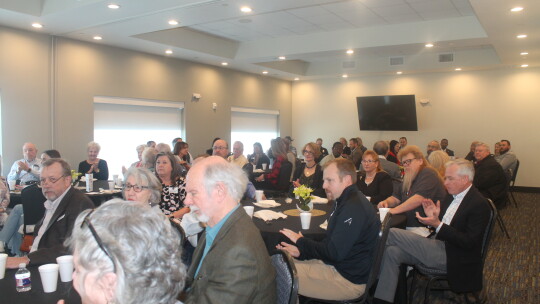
column 236, row 269
column 317, row 183
column 449, row 152
column 490, row 180
column 51, row 244
column 356, row 157
column 463, row 240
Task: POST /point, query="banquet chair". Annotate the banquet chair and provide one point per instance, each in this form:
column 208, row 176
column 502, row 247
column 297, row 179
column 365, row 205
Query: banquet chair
column 286, row 277
column 380, row 247
column 283, row 183
column 510, row 193
column 32, row 200
column 435, row 275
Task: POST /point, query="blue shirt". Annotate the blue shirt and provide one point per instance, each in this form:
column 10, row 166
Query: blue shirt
column 211, row 233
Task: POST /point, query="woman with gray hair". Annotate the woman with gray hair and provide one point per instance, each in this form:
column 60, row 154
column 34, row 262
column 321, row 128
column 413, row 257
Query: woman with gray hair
column 126, row 253
column 142, row 186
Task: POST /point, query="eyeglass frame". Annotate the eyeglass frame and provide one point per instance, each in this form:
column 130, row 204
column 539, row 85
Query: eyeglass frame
column 219, row 148
column 407, row 162
column 127, row 187
column 97, row 238
column 308, row 152
column 369, row 161
column 51, row 180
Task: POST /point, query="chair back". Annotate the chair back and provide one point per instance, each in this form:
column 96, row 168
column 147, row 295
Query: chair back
column 514, row 174
column 284, row 177
column 32, row 199
column 489, row 229
column 180, row 230
column 380, row 247
column 286, row 278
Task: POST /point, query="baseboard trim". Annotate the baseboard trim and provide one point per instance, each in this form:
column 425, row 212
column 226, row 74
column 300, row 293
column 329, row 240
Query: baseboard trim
column 527, row 189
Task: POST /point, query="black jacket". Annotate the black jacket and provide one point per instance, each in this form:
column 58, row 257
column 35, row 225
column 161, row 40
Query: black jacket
column 490, row 180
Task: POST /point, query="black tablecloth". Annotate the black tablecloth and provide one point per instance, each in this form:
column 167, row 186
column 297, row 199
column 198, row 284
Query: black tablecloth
column 9, row 294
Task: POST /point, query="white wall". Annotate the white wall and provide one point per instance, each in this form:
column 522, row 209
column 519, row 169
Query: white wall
column 465, row 106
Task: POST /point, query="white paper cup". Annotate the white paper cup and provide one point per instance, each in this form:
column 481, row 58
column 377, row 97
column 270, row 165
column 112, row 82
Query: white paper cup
column 49, row 276
column 305, row 219
column 65, row 265
column 11, row 184
column 111, row 185
column 118, row 181
column 249, row 210
column 3, row 259
column 382, row 213
column 259, row 195
column 264, row 167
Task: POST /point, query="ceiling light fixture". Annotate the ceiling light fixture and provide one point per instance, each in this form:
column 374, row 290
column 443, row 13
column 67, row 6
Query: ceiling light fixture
column 224, row 63
column 98, row 37
column 516, row 9
column 521, row 36
column 246, row 9
column 429, row 45
column 344, row 76
column 113, row 6
column 524, row 65
column 168, row 52
column 265, row 72
column 350, row 52
column 173, row 22
column 282, row 57
column 37, row 25
column 399, row 72
column 458, row 69
column 524, row 53
column 296, row 79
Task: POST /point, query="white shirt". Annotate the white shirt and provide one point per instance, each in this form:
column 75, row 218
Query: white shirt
column 50, row 208
column 25, row 176
column 451, row 211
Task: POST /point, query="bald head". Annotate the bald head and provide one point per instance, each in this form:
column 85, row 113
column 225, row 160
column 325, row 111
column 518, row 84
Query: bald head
column 220, row 148
column 29, row 151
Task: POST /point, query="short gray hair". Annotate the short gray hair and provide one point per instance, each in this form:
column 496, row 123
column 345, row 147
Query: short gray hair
column 149, row 156
column 483, row 145
column 232, row 176
column 145, row 247
column 144, row 177
column 465, row 167
column 93, row 144
column 140, row 148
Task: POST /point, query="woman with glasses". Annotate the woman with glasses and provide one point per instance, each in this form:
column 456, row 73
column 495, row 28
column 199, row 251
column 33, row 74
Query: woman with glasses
column 94, row 165
column 309, row 173
column 126, row 253
column 173, row 186
column 258, row 157
column 142, row 186
column 372, row 181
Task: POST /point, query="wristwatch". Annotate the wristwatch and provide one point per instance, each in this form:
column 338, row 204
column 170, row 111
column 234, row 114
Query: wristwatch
column 29, row 170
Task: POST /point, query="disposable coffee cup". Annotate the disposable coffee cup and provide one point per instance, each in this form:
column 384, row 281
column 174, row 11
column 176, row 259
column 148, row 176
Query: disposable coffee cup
column 382, row 213
column 118, row 182
column 3, row 259
column 259, row 195
column 115, row 177
column 11, row 184
column 49, row 276
column 65, row 267
column 264, row 167
column 305, row 219
column 89, row 182
column 249, row 210
column 111, row 185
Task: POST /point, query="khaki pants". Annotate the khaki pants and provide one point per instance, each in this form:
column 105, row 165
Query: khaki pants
column 321, row 281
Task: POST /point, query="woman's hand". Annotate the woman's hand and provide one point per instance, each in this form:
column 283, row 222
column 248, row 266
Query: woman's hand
column 180, row 213
column 296, row 183
column 260, row 178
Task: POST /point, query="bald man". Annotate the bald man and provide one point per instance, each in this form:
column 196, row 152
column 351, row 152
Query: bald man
column 27, row 169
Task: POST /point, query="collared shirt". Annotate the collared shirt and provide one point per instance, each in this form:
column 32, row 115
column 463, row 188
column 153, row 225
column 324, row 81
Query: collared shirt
column 241, row 161
column 50, row 209
column 25, row 176
column 211, row 233
column 451, row 211
column 328, row 158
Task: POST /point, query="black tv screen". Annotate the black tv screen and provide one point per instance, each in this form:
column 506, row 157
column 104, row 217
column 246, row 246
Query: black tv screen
column 387, row 113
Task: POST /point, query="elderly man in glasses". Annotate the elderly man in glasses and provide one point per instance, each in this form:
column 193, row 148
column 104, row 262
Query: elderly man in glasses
column 420, row 182
column 63, row 205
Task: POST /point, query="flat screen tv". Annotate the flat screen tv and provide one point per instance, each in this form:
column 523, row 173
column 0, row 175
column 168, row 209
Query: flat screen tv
column 387, row 113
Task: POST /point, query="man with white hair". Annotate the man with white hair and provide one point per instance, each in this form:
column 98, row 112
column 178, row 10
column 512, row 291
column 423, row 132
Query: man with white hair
column 489, row 178
column 230, row 263
column 238, row 157
column 27, row 169
column 460, row 222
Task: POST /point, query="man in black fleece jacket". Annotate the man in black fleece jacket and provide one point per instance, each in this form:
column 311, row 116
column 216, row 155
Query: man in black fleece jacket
column 337, row 268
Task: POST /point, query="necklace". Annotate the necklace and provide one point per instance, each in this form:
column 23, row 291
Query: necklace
column 314, row 164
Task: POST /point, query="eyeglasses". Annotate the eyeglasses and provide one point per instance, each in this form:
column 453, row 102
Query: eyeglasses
column 407, row 162
column 136, row 188
column 97, row 238
column 369, row 161
column 308, row 152
column 51, row 180
column 219, row 148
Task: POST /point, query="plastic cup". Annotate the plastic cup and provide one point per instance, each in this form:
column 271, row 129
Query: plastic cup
column 12, row 184
column 249, row 210
column 3, row 259
column 305, row 219
column 111, row 185
column 382, row 213
column 264, row 167
column 259, row 195
column 65, row 266
column 49, row 276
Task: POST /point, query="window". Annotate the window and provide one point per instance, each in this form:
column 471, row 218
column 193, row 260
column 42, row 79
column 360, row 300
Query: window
column 121, row 124
column 253, row 125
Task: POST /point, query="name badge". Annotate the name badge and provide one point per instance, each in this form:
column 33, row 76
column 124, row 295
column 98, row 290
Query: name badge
column 173, row 190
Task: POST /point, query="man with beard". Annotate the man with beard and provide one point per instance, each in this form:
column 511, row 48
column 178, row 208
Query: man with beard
column 506, row 158
column 489, row 178
column 337, row 267
column 63, row 205
column 356, row 152
column 420, row 182
column 433, row 146
column 230, row 263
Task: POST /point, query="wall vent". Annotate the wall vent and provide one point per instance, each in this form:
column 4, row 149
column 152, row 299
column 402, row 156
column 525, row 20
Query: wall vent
column 446, row 57
column 348, row 64
column 396, row 60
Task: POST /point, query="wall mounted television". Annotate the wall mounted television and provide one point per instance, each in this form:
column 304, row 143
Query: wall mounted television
column 387, row 113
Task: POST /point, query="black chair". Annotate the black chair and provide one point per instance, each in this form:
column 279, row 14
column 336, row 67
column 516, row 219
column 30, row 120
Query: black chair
column 286, row 277
column 32, row 200
column 510, row 193
column 282, row 187
column 378, row 253
column 435, row 275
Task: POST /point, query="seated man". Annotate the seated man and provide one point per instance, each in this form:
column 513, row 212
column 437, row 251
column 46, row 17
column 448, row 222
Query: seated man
column 230, row 263
column 238, row 157
column 221, row 148
column 460, row 222
column 27, row 169
column 337, row 268
column 420, row 181
column 381, row 148
column 444, row 147
column 356, row 152
column 489, row 178
column 507, row 158
column 63, row 205
column 433, row 146
column 337, row 151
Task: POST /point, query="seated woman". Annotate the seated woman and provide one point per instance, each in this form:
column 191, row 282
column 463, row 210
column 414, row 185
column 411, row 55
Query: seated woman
column 393, row 151
column 437, row 159
column 173, row 186
column 271, row 180
column 373, row 181
column 309, row 173
column 258, row 157
column 149, row 158
column 126, row 253
column 94, row 165
column 181, row 153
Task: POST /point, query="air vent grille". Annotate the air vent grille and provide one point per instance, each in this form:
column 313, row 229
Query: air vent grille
column 446, row 57
column 396, row 60
column 348, row 64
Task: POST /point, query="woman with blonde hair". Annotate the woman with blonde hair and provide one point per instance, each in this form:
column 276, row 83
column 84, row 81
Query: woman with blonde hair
column 94, row 165
column 437, row 159
column 309, row 173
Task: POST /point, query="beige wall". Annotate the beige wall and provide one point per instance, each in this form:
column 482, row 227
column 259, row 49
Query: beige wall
column 465, row 106
column 84, row 70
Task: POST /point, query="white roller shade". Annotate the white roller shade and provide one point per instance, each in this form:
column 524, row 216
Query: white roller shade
column 253, row 125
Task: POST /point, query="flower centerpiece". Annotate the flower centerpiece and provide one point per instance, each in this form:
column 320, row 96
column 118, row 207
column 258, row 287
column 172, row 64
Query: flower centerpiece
column 304, row 195
column 75, row 176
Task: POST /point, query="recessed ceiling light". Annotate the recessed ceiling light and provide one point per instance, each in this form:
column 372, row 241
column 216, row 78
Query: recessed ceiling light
column 246, row 9
column 296, row 79
column 524, row 65
column 429, row 45
column 516, row 9
column 168, row 52
column 113, row 6
column 521, row 36
column 458, row 69
column 173, row 22
column 350, row 52
column 399, row 72
column 524, row 53
column 224, row 63
column 37, row 25
column 344, row 76
column 282, row 57
column 265, row 72
column 98, row 37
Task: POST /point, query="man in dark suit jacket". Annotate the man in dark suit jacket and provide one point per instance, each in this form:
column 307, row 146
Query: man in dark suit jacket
column 444, row 147
column 230, row 263
column 381, row 148
column 62, row 207
column 460, row 223
column 489, row 178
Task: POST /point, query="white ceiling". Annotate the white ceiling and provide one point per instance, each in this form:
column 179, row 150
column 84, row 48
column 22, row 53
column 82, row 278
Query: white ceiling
column 312, row 34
